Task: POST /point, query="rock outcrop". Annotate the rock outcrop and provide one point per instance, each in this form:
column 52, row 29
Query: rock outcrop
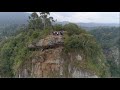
column 84, row 74
column 49, row 62
column 48, row 42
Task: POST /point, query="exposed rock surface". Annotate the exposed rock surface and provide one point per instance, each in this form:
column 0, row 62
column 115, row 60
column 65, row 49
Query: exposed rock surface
column 84, row 74
column 50, row 63
column 49, row 41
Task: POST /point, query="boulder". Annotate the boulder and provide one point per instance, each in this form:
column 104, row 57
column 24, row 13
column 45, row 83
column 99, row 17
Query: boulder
column 31, row 46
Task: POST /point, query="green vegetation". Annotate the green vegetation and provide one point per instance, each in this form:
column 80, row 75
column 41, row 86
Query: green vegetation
column 82, row 42
column 58, row 27
column 71, row 28
column 14, row 51
column 35, row 22
column 109, row 39
column 8, row 30
column 106, row 36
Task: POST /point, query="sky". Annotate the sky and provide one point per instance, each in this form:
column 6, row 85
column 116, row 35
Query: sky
column 87, row 17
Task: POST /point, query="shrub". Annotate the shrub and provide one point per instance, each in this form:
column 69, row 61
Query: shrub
column 71, row 29
column 58, row 27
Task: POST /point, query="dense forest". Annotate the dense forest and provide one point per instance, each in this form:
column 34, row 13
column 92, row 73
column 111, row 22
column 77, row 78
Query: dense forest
column 95, row 46
column 109, row 38
column 9, row 30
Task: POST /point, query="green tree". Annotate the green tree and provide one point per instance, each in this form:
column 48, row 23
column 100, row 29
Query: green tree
column 35, row 22
column 51, row 21
column 47, row 21
column 44, row 16
column 58, row 27
column 71, row 28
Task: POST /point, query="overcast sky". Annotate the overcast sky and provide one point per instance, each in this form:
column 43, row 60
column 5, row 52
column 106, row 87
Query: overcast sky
column 96, row 17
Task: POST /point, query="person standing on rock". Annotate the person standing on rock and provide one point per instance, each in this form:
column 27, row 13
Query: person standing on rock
column 57, row 33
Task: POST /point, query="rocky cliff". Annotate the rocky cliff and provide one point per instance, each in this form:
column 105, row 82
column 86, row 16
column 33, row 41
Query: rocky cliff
column 48, row 60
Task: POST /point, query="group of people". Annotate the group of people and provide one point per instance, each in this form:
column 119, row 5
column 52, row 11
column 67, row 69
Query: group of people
column 58, row 32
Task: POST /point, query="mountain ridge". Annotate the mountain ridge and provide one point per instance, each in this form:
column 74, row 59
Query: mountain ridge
column 22, row 17
column 91, row 24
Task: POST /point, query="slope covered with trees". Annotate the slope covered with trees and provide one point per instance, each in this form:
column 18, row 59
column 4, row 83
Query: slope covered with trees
column 109, row 39
column 10, row 22
column 7, row 31
column 14, row 52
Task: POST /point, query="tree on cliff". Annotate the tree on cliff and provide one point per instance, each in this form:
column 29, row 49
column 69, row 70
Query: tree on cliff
column 47, row 21
column 40, row 21
column 35, row 22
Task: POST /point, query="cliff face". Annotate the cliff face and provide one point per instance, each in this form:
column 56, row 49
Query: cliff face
column 115, row 54
column 113, row 59
column 48, row 60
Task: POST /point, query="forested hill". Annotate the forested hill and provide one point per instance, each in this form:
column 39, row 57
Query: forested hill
column 13, row 18
column 91, row 25
column 10, row 22
column 106, row 36
column 41, row 51
column 109, row 38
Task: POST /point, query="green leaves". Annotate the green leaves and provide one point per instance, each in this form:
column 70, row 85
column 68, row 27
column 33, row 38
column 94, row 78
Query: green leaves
column 81, row 40
column 5, row 59
column 84, row 43
column 41, row 21
column 71, row 28
column 58, row 27
column 14, row 51
column 108, row 37
column 35, row 22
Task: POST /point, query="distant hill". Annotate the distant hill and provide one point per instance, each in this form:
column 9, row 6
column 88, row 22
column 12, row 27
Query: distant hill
column 13, row 17
column 10, row 22
column 109, row 39
column 89, row 26
column 22, row 17
column 97, row 24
